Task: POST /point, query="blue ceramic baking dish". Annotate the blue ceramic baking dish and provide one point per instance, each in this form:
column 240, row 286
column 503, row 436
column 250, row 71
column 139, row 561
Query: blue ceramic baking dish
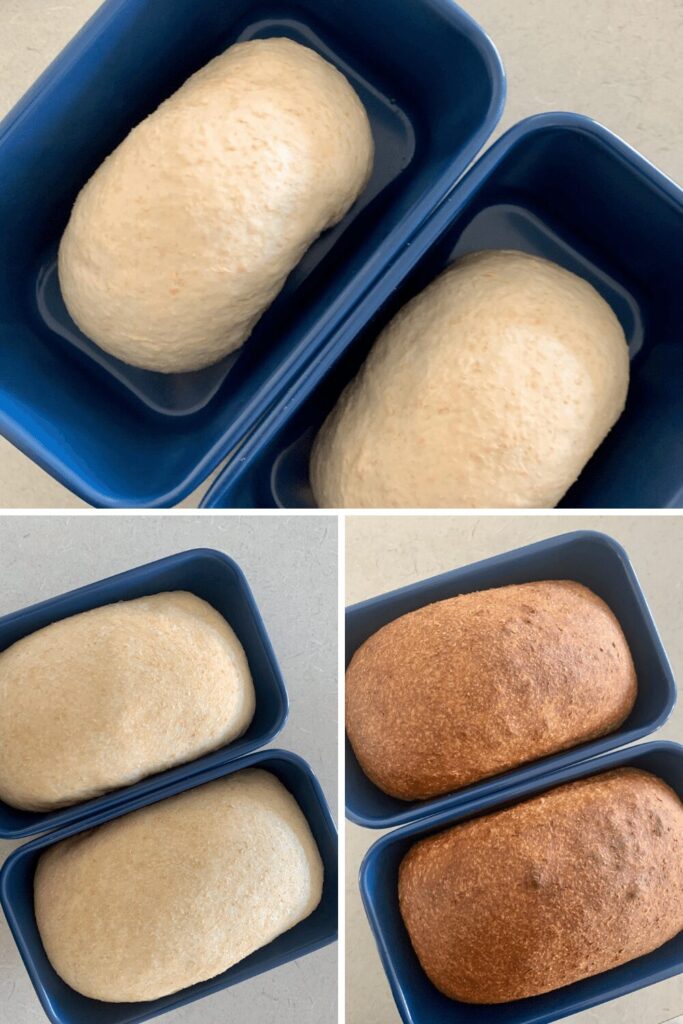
column 418, row 1001
column 434, row 88
column 220, row 581
column 65, row 1006
column 593, row 559
column 562, row 187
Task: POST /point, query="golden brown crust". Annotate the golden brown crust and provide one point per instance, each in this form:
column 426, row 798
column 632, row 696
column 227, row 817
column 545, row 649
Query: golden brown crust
column 567, row 885
column 474, row 685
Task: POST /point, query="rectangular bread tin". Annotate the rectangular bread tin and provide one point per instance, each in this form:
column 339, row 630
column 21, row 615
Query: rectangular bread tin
column 63, row 1005
column 593, row 559
column 434, row 89
column 418, row 1001
column 210, row 575
column 558, row 186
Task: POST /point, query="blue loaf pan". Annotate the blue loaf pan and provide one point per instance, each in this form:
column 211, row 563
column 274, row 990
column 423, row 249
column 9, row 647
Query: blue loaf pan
column 217, row 579
column 593, row 559
column 418, row 1001
column 558, row 186
column 65, row 1006
column 434, row 89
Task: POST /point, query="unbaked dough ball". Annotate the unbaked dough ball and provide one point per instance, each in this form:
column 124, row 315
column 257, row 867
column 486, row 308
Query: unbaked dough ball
column 492, row 388
column 103, row 698
column 187, row 232
column 177, row 892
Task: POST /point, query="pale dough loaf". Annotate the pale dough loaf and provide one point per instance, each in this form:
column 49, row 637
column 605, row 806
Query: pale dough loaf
column 106, row 697
column 188, row 230
column 178, row 891
column 491, row 389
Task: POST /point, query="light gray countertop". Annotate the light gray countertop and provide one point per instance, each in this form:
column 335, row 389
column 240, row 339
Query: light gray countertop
column 291, row 566
column 384, row 553
column 615, row 60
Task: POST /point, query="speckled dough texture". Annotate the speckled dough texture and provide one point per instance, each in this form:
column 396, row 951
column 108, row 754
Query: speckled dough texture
column 187, row 232
column 178, row 891
column 101, row 699
column 572, row 883
column 472, row 686
column 490, row 389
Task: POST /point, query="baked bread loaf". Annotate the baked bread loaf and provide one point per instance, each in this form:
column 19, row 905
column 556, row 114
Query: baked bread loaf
column 104, row 698
column 474, row 685
column 178, row 891
column 186, row 233
column 490, row 389
column 565, row 886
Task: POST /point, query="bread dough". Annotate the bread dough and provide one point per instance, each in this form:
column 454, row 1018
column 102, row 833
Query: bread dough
column 178, row 891
column 106, row 697
column 490, row 389
column 188, row 230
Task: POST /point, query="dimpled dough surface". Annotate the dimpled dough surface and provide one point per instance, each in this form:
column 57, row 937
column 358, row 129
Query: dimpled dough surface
column 177, row 892
column 106, row 697
column 186, row 233
column 491, row 389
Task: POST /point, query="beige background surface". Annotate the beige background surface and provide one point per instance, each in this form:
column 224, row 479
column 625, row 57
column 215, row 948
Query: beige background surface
column 383, row 553
column 616, row 60
column 291, row 566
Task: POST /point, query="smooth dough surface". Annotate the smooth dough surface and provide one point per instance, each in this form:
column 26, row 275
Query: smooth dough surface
column 186, row 233
column 178, row 891
column 492, row 388
column 106, row 697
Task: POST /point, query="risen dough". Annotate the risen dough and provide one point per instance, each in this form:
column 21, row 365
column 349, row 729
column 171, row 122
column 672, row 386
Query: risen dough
column 178, row 891
column 492, row 388
column 186, row 233
column 106, row 697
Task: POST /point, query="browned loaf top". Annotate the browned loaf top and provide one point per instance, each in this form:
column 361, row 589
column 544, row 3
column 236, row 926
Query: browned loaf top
column 472, row 686
column 562, row 887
